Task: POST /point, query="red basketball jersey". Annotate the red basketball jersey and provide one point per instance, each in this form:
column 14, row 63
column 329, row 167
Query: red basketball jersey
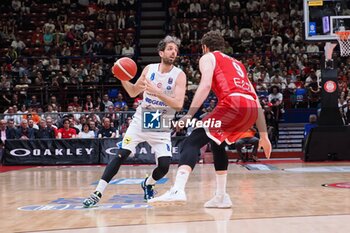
column 230, row 76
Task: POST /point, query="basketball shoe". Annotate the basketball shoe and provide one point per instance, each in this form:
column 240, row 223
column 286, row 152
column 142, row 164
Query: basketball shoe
column 92, row 200
column 219, row 201
column 148, row 190
column 171, row 196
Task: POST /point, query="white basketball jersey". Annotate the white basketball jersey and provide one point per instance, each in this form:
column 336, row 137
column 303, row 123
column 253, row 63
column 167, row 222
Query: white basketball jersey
column 164, row 81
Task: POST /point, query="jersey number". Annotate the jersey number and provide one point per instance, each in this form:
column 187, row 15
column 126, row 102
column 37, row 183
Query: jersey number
column 239, row 82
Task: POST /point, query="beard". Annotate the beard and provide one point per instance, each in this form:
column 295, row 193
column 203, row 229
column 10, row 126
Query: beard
column 168, row 61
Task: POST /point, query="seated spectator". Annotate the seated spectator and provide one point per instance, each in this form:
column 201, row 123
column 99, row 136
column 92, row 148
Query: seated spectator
column 33, row 103
column 3, row 132
column 93, row 128
column 24, row 132
column 75, row 102
column 86, row 132
column 44, row 131
column 50, row 125
column 10, row 129
column 312, row 124
column 127, row 50
column 66, row 131
column 107, row 103
column 248, row 139
column 120, row 103
column 276, row 99
column 106, row 131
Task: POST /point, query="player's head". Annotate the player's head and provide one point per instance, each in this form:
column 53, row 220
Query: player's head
column 168, row 49
column 212, row 41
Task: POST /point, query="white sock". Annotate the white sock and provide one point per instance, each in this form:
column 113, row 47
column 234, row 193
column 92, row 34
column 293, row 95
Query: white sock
column 102, row 184
column 221, row 184
column 181, row 180
column 150, row 181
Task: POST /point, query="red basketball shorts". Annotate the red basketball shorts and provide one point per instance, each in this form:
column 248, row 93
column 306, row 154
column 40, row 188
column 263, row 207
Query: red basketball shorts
column 232, row 117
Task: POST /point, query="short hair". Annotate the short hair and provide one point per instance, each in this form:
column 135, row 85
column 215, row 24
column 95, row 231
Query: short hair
column 313, row 118
column 168, row 39
column 214, row 41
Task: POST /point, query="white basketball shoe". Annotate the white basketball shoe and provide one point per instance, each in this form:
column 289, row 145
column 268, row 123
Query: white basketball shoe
column 219, row 201
column 170, row 196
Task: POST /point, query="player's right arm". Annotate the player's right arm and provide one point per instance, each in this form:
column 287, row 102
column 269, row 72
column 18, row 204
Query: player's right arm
column 140, row 85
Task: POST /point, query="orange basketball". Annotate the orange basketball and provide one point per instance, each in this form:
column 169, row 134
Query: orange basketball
column 124, row 69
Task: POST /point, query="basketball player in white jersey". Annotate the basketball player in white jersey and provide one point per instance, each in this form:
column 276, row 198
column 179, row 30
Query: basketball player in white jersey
column 163, row 86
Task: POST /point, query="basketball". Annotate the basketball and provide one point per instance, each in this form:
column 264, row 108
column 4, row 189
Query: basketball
column 124, row 69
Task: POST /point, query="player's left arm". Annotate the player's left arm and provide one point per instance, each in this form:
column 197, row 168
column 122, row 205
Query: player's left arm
column 206, row 67
column 175, row 100
column 264, row 141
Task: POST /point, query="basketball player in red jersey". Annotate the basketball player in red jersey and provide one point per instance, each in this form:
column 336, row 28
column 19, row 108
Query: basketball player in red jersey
column 238, row 109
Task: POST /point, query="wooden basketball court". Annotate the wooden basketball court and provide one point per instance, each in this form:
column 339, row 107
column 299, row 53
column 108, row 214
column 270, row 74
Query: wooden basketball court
column 48, row 199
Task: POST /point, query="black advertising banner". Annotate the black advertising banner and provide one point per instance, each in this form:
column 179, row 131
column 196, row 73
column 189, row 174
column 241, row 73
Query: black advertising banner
column 78, row 151
column 51, row 152
column 144, row 153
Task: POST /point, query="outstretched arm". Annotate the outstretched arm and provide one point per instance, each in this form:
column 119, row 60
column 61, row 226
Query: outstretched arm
column 264, row 141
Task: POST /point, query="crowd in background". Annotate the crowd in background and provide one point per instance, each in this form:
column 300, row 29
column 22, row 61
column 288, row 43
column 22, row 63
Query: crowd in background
column 72, row 43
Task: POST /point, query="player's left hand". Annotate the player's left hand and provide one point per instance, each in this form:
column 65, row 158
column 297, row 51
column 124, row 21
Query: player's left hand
column 265, row 143
column 152, row 89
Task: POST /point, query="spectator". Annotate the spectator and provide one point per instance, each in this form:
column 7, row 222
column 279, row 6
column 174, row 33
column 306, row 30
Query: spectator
column 3, row 132
column 33, row 103
column 125, row 126
column 120, row 103
column 75, row 103
column 107, row 103
column 33, row 126
column 127, row 50
column 44, row 131
column 88, row 103
column 10, row 129
column 86, row 132
column 24, row 132
column 106, row 131
column 312, row 124
column 276, row 99
column 93, row 127
column 66, row 131
column 248, row 140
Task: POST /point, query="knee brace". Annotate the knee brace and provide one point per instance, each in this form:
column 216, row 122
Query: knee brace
column 162, row 169
column 114, row 165
column 189, row 153
column 220, row 156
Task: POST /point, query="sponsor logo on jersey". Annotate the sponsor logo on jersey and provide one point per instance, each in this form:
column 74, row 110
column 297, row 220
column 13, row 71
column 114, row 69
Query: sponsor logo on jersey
column 159, row 85
column 170, row 80
column 155, row 102
column 152, row 76
column 152, row 119
column 168, row 88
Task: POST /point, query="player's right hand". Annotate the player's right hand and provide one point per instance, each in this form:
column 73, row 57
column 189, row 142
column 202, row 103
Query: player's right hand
column 265, row 143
